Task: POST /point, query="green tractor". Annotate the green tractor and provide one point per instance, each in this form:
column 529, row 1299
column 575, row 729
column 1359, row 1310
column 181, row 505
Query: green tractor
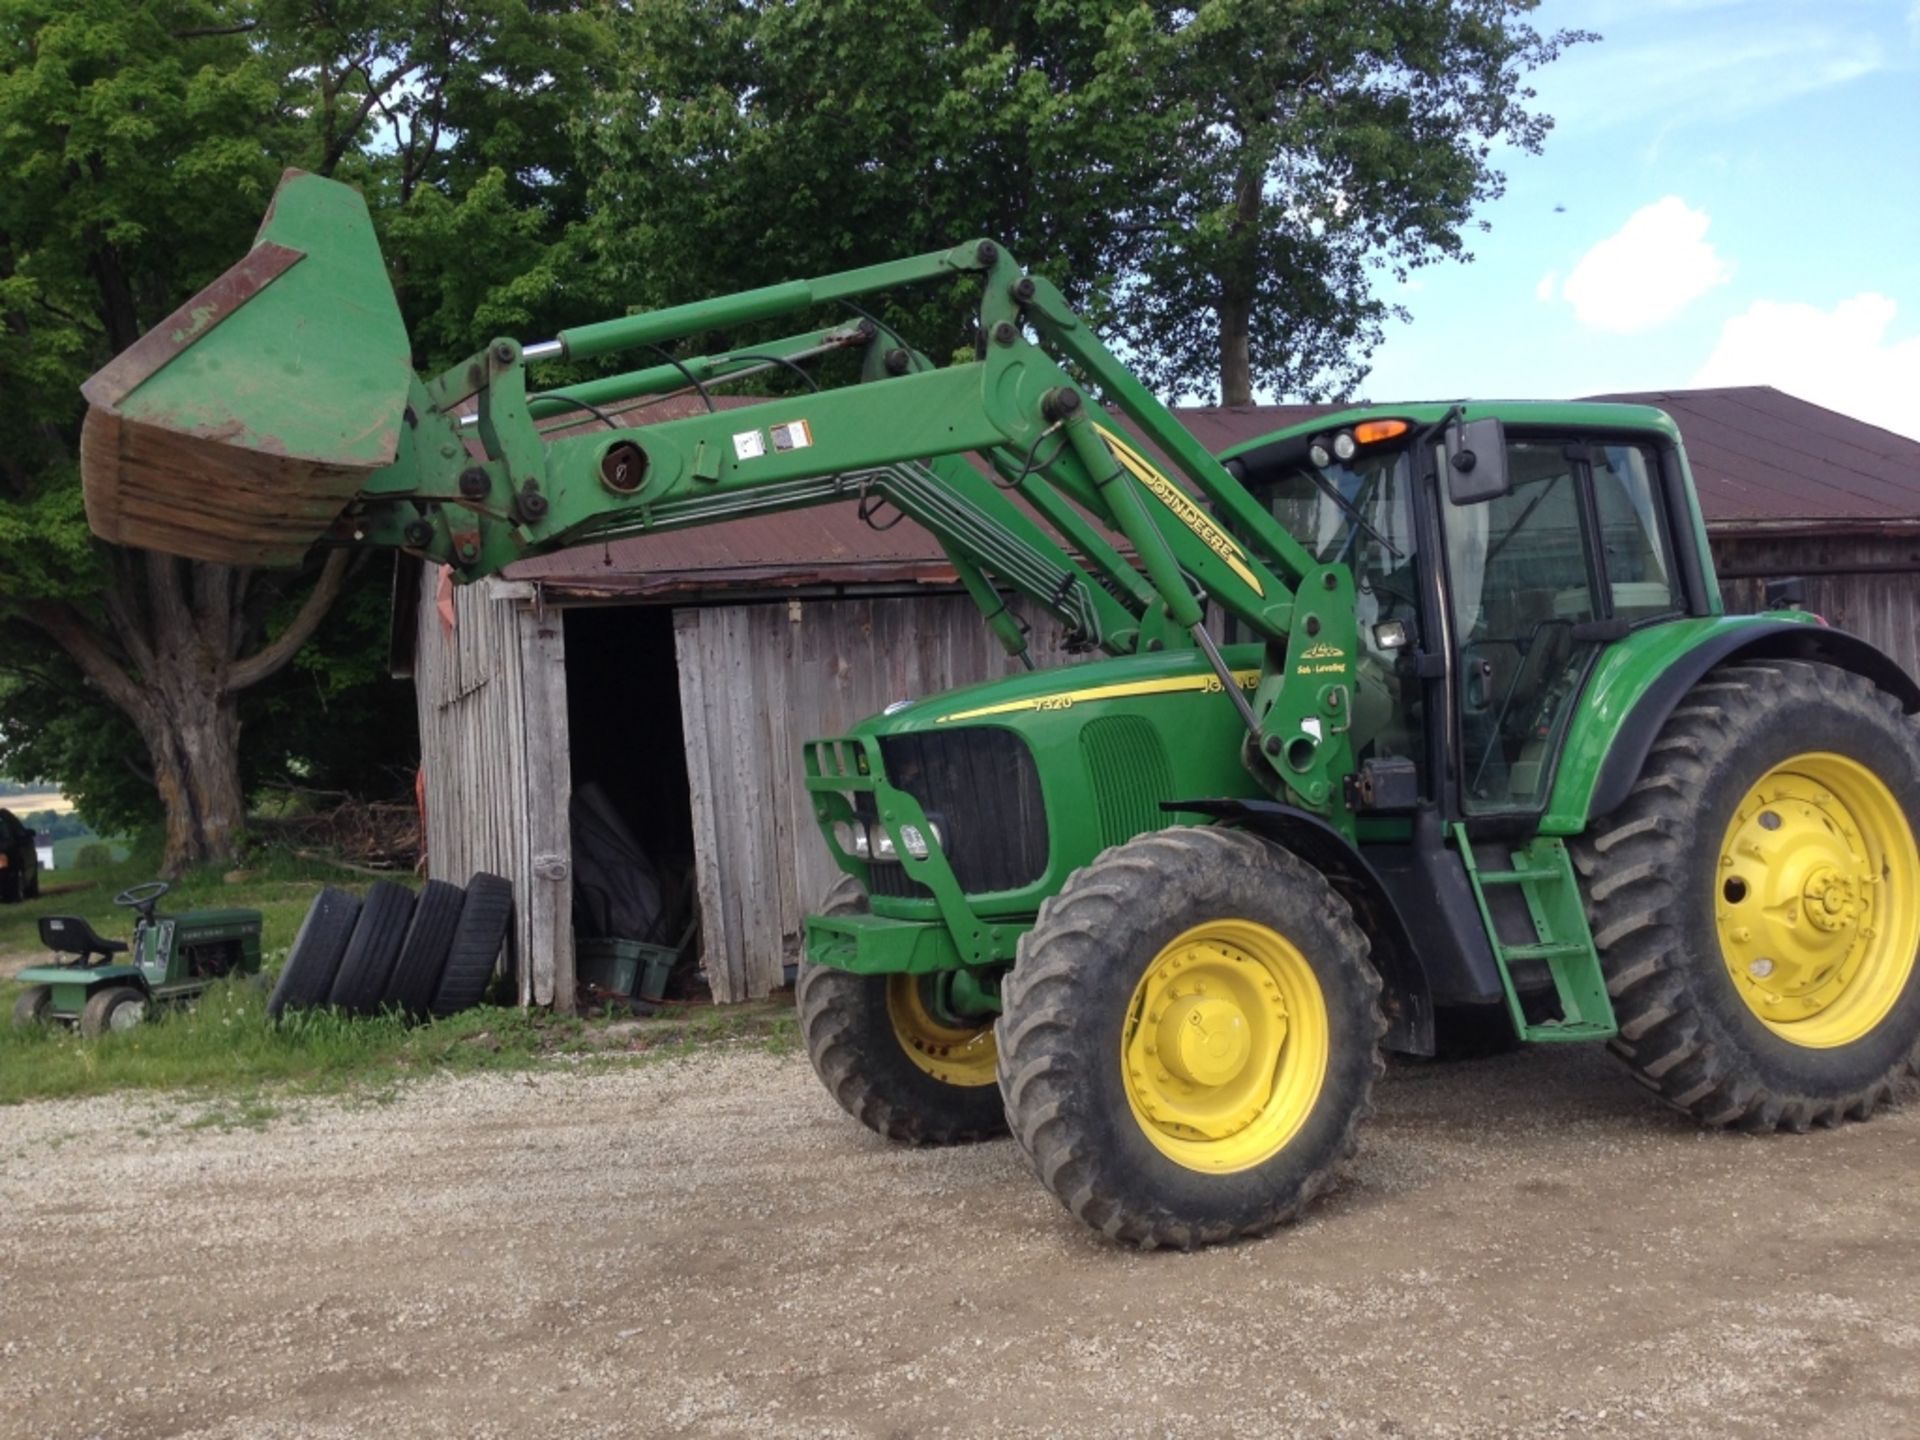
column 173, row 959
column 1416, row 714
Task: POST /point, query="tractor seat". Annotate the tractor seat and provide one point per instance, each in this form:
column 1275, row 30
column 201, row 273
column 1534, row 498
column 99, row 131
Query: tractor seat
column 70, row 935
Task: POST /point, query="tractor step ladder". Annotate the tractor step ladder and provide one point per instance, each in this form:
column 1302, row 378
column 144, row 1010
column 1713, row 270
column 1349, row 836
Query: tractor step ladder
column 1543, row 871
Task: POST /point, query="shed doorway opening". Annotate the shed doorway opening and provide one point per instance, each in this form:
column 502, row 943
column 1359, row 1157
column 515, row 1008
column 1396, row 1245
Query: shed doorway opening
column 629, row 763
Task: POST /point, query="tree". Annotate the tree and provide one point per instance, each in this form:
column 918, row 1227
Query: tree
column 1221, row 184
column 744, row 143
column 1321, row 142
column 140, row 141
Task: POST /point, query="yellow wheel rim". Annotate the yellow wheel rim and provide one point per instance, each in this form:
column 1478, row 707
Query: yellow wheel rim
column 1818, row 900
column 1225, row 1046
column 961, row 1055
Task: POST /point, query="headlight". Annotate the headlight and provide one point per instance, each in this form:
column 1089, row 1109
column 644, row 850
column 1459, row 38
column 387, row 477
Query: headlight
column 851, row 838
column 880, row 846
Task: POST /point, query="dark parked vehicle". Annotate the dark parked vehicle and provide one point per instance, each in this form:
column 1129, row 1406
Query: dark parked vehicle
column 19, row 861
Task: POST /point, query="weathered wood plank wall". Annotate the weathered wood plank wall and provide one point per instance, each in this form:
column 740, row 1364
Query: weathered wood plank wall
column 1869, row 585
column 756, row 683
column 492, row 700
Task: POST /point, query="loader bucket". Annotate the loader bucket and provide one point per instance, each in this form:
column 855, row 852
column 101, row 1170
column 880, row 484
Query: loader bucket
column 238, row 428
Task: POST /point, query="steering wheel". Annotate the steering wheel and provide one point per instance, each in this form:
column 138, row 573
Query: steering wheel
column 143, row 897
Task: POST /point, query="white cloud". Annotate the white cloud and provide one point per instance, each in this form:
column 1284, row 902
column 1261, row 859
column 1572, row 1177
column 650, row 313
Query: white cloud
column 1841, row 358
column 1549, row 284
column 1647, row 271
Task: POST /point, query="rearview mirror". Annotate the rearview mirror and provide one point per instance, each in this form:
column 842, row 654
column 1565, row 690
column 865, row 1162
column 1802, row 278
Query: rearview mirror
column 1477, row 462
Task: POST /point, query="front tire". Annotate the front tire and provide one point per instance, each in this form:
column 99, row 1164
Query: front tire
column 878, row 1044
column 1756, row 901
column 113, row 1011
column 1190, row 1038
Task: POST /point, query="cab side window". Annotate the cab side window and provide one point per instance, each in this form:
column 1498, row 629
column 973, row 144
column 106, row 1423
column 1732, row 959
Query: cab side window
column 1635, row 547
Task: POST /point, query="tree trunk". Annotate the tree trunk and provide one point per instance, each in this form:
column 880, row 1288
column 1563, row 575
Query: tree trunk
column 180, row 643
column 195, row 749
column 1236, row 348
column 1237, row 281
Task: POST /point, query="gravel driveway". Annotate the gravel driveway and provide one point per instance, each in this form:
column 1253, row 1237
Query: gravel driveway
column 1526, row 1246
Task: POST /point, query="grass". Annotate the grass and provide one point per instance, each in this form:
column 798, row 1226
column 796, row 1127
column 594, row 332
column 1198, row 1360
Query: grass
column 228, row 1056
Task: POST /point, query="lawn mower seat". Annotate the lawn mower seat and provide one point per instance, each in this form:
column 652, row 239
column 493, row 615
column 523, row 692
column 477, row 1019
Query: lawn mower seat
column 70, row 935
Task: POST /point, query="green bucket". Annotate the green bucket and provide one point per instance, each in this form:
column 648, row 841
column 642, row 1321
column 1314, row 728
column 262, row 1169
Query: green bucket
column 623, row 967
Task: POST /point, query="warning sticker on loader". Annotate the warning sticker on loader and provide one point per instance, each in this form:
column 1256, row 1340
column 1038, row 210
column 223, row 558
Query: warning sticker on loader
column 795, row 435
column 749, row 445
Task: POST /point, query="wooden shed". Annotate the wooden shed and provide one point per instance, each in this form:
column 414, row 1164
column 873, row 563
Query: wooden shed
column 682, row 672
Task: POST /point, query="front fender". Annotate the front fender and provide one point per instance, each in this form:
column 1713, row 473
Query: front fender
column 1638, row 682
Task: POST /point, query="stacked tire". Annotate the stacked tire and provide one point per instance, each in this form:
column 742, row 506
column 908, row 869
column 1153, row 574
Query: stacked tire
column 419, row 955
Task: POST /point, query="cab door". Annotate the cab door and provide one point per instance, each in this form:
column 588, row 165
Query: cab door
column 1573, row 556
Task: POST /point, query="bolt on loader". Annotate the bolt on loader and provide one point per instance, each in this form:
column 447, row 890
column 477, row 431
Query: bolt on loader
column 1409, row 712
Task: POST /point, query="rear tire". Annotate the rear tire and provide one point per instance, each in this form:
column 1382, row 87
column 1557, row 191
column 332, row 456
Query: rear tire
column 1216, row 955
column 877, row 1048
column 34, row 1006
column 1744, row 996
column 368, row 961
column 117, row 1008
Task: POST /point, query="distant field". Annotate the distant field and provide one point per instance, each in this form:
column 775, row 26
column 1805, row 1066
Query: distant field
column 44, row 800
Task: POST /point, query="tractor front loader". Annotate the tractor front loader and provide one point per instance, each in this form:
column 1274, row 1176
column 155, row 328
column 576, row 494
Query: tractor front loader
column 1415, row 712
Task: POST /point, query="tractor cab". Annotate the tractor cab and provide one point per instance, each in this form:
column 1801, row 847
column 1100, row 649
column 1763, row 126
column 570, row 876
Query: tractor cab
column 1494, row 560
column 102, row 984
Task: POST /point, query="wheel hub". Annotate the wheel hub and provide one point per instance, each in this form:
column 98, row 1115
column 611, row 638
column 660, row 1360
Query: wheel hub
column 1204, row 1040
column 1831, row 900
column 1819, row 945
column 1226, row 1045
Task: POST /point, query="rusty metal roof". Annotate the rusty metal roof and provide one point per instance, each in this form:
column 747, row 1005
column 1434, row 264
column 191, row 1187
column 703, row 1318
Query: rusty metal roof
column 1761, row 459
column 1764, row 458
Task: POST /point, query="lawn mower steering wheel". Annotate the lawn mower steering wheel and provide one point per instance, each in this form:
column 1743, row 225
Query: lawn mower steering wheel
column 143, row 897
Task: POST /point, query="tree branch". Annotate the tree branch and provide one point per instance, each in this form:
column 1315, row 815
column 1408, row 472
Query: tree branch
column 129, row 635
column 337, row 146
column 173, row 622
column 75, row 636
column 244, row 27
column 269, row 658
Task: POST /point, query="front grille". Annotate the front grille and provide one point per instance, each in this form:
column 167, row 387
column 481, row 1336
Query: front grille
column 1127, row 768
column 981, row 787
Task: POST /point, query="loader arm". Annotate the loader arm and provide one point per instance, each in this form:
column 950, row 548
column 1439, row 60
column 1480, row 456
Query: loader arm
column 278, row 408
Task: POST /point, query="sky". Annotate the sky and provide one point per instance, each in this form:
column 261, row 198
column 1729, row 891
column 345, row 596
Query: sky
column 1730, row 196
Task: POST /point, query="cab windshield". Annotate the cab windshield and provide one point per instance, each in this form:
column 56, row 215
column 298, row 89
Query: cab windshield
column 1359, row 514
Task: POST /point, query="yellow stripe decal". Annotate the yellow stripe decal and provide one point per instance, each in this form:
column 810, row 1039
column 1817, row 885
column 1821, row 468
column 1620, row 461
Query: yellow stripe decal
column 1126, row 689
column 1183, row 508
